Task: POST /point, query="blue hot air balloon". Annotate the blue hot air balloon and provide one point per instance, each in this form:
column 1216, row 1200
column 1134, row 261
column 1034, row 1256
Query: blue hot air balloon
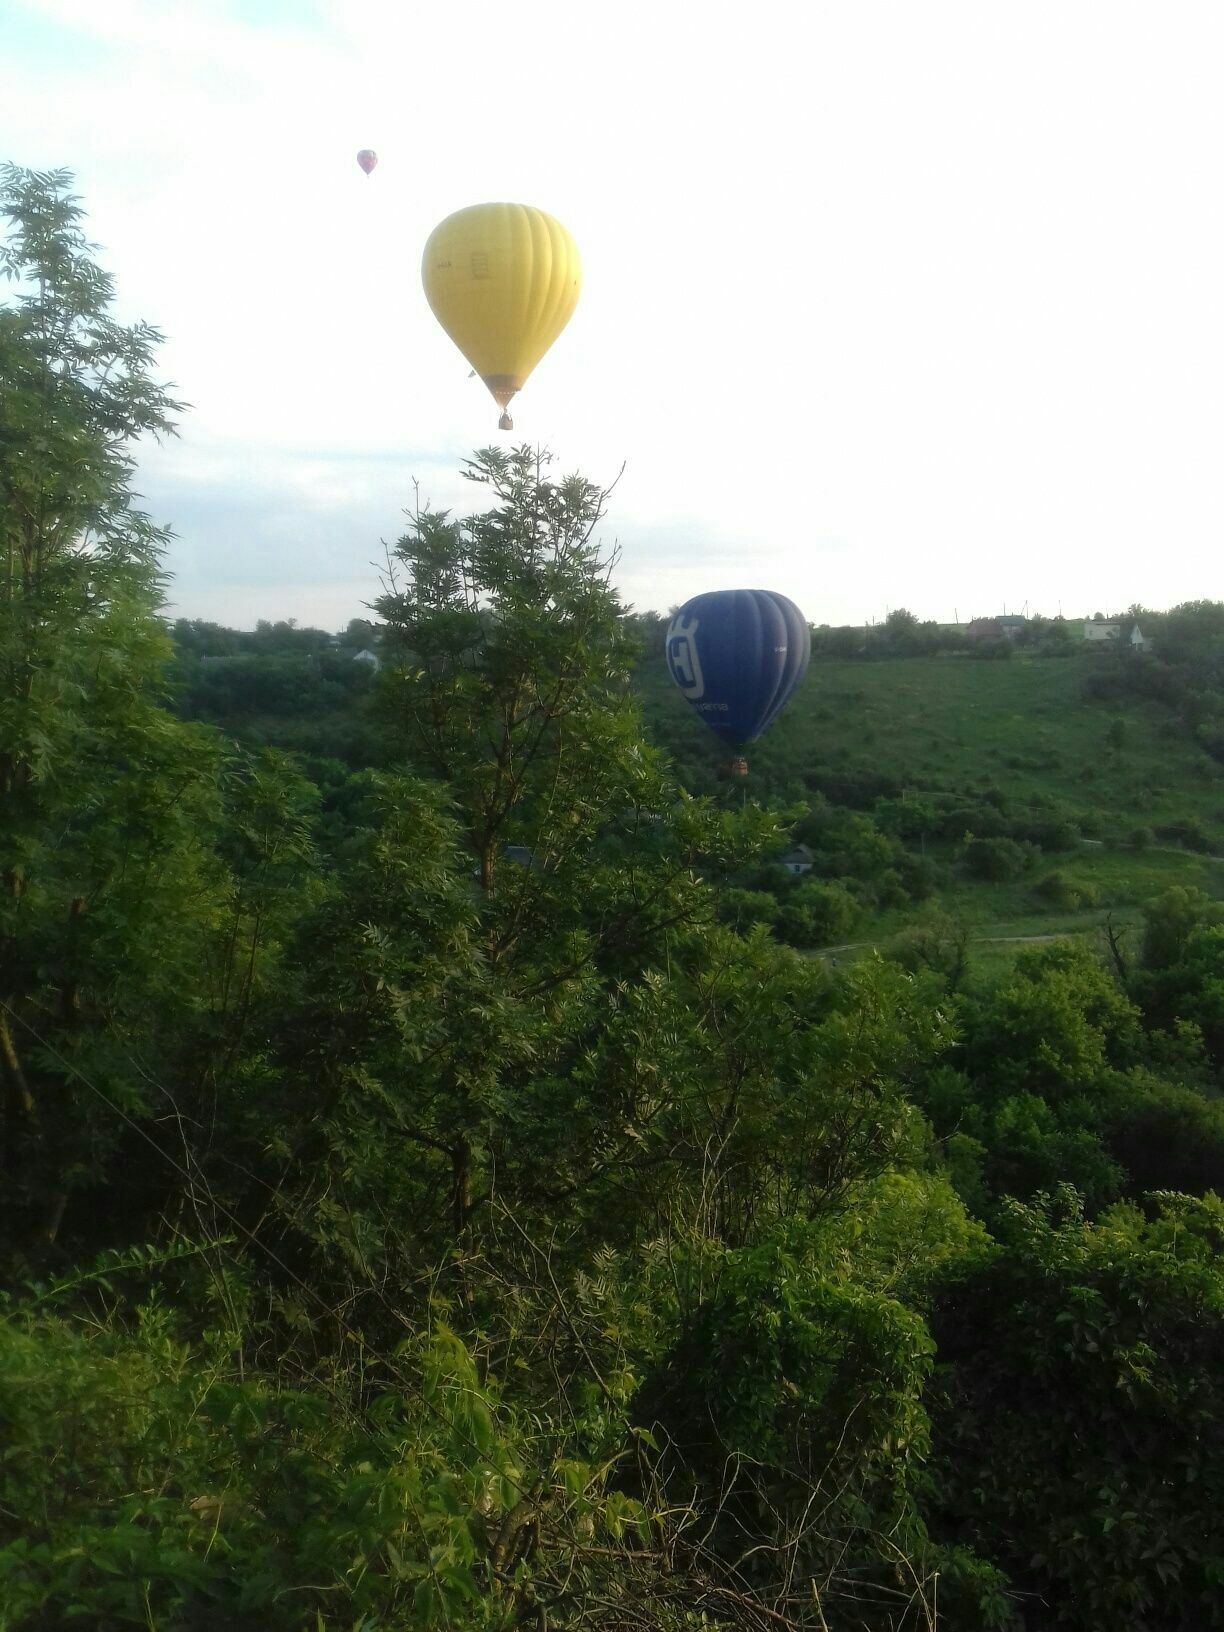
column 737, row 655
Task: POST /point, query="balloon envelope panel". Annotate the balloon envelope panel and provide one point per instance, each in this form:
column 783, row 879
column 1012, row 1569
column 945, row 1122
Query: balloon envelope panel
column 737, row 656
column 503, row 280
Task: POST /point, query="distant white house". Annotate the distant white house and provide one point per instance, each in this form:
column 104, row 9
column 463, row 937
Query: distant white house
column 798, row 860
column 1112, row 634
column 368, row 658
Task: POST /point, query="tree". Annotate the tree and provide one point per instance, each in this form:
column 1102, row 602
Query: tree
column 569, row 874
column 816, row 914
column 112, row 898
column 901, row 632
column 997, row 859
column 513, row 686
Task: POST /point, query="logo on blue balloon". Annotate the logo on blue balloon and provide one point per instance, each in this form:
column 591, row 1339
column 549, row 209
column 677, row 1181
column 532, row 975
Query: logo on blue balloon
column 737, row 656
column 683, row 658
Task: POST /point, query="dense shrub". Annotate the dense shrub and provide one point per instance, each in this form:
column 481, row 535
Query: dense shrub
column 938, row 945
column 857, row 787
column 1067, row 894
column 983, row 819
column 1078, row 1414
column 744, row 908
column 1188, row 833
column 1055, row 834
column 997, row 859
column 150, row 1483
column 816, row 914
column 1165, row 1135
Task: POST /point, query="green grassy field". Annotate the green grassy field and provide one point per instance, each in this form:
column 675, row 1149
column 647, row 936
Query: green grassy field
column 1019, row 730
column 1021, row 726
column 954, row 724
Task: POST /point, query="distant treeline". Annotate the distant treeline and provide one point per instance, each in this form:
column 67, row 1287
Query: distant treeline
column 1171, row 634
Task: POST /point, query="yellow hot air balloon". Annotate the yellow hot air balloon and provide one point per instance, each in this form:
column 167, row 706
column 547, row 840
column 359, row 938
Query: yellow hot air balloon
column 503, row 281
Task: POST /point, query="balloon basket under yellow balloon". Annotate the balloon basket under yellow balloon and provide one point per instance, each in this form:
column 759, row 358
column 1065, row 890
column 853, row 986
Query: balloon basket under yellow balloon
column 505, row 423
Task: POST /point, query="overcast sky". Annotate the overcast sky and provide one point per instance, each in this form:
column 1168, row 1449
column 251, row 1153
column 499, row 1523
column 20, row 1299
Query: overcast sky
column 909, row 304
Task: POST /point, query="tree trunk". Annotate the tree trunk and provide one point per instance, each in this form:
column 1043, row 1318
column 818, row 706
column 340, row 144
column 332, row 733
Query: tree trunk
column 461, row 1187
column 19, row 1103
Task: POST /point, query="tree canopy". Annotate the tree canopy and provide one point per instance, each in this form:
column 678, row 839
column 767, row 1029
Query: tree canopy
column 441, row 1188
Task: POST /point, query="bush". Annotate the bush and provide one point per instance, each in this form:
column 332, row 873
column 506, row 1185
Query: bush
column 997, row 859
column 1068, row 894
column 997, row 649
column 1057, row 835
column 1166, row 1136
column 856, row 786
column 982, row 818
column 147, row 1484
column 1078, row 1419
column 817, row 914
column 890, row 890
column 144, row 1484
column 940, row 945
column 744, row 908
column 1189, row 834
column 796, row 1401
column 919, row 875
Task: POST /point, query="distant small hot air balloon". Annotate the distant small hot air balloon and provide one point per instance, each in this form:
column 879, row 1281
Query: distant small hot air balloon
column 367, row 159
column 737, row 656
column 503, row 281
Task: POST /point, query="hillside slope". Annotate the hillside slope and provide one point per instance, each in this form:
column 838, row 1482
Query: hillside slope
column 867, row 730
column 1119, row 802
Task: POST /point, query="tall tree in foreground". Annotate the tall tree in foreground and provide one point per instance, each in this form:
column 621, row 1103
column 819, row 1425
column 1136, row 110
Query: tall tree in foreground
column 109, row 884
column 531, row 1073
column 469, row 974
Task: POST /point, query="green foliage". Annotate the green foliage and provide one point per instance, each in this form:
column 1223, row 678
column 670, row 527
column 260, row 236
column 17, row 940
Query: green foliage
column 113, row 897
column 1059, row 1020
column 795, row 1400
column 1182, row 973
column 1078, row 1412
column 997, row 858
column 746, row 908
column 1165, row 1135
column 515, row 663
column 815, row 914
column 937, row 945
column 442, row 1055
column 1059, row 890
column 150, row 1483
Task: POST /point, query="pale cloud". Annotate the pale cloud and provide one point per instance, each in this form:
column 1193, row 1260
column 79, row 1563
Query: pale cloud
column 883, row 304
